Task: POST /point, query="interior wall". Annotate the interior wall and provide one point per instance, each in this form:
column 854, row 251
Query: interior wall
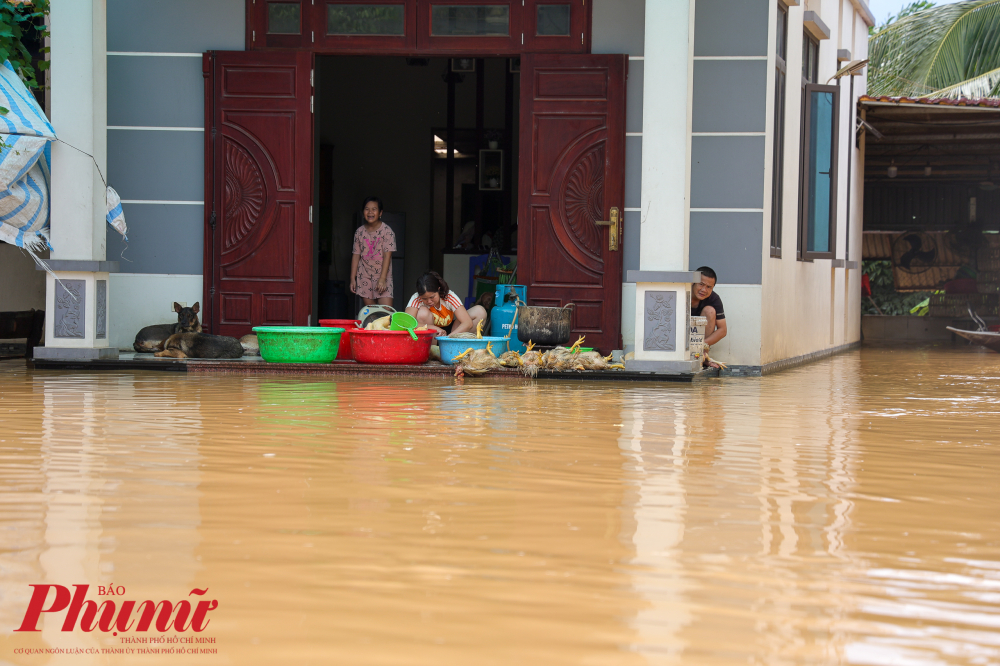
column 378, row 113
column 465, row 172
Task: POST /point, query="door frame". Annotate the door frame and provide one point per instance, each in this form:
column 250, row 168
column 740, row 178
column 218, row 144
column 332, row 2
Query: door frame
column 417, row 40
column 367, row 47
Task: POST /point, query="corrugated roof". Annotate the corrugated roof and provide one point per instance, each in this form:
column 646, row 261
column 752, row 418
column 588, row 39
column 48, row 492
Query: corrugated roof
column 985, row 102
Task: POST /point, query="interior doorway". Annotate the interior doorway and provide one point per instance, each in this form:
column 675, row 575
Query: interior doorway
column 383, row 127
column 266, row 154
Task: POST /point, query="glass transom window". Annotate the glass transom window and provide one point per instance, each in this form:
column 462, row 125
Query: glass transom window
column 553, row 21
column 365, row 19
column 283, row 18
column 470, row 20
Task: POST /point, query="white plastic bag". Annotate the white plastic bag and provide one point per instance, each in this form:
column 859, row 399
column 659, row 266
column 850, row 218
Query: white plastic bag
column 116, row 216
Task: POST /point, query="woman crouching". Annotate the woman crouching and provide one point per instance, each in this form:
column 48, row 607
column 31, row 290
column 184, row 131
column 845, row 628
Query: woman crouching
column 440, row 309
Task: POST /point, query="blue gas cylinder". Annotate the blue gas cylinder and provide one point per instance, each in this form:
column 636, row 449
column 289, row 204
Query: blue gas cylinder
column 503, row 314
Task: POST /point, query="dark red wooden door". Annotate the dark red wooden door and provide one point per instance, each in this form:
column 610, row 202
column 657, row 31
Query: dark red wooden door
column 258, row 190
column 572, row 174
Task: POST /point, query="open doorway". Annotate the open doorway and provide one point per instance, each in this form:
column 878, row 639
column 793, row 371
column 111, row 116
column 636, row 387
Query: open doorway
column 382, row 129
column 264, row 234
column 931, row 234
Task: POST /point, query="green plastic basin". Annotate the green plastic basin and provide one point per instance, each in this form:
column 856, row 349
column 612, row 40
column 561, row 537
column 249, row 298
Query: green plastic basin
column 298, row 344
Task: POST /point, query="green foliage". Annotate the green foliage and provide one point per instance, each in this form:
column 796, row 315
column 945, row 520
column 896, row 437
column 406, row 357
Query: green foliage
column 947, row 51
column 922, row 308
column 17, row 28
column 884, row 293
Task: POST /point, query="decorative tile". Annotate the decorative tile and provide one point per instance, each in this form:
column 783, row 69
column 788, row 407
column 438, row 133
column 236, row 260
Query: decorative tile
column 70, row 308
column 659, row 321
column 101, row 299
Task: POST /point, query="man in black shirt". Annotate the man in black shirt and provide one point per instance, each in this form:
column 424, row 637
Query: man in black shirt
column 706, row 303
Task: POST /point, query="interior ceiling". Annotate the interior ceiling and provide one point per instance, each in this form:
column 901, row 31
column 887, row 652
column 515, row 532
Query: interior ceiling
column 959, row 143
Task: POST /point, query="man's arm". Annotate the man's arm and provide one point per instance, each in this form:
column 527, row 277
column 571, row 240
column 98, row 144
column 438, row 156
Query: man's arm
column 720, row 332
column 716, row 328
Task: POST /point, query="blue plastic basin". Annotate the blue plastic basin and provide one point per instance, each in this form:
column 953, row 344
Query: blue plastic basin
column 452, row 347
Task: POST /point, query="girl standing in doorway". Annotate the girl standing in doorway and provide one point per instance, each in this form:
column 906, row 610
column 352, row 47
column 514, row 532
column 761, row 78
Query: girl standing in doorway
column 371, row 263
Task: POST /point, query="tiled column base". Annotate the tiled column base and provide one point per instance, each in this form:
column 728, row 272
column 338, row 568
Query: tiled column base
column 76, row 311
column 662, row 314
column 76, row 353
column 664, row 367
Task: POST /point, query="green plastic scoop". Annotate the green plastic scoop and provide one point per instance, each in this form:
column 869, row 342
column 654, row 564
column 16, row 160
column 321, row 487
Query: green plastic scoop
column 403, row 322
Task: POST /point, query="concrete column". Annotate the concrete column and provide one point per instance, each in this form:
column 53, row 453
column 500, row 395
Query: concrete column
column 666, row 135
column 76, row 305
column 666, row 184
column 79, row 107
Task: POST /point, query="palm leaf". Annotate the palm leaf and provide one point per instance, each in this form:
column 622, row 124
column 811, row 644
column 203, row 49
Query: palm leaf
column 984, row 85
column 947, row 51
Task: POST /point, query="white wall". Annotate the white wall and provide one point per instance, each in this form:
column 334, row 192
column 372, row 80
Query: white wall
column 852, row 309
column 141, row 299
column 811, row 306
column 628, row 316
column 23, row 286
column 742, row 344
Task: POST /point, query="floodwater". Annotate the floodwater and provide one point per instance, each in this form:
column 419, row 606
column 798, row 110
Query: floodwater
column 842, row 512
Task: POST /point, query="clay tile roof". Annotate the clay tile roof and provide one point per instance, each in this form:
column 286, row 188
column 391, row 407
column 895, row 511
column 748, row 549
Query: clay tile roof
column 986, row 102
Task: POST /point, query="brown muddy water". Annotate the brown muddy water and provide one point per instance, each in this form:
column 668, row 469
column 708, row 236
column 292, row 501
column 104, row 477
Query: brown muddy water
column 842, row 512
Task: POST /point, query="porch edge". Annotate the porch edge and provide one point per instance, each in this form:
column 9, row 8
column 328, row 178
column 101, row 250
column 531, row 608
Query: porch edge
column 786, row 363
column 796, row 361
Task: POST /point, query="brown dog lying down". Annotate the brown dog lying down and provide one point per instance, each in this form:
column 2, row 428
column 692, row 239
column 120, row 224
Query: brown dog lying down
column 151, row 338
column 201, row 345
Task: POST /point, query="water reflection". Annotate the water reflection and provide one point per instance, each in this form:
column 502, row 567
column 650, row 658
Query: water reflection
column 843, row 512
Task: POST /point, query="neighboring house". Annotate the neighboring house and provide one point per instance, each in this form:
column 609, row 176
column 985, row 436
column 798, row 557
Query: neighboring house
column 240, row 170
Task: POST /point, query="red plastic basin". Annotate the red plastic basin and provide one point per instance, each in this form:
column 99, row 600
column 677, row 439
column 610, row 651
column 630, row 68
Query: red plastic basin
column 391, row 347
column 344, row 352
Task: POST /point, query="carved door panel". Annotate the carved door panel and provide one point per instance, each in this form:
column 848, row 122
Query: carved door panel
column 572, row 178
column 258, row 190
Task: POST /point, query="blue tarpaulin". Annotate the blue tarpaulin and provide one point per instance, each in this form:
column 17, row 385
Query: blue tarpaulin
column 24, row 165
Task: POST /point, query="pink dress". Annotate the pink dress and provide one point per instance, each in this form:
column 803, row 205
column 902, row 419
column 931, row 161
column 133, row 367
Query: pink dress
column 372, row 248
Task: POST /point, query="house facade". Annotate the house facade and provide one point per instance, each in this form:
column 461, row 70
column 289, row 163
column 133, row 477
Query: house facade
column 632, row 141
